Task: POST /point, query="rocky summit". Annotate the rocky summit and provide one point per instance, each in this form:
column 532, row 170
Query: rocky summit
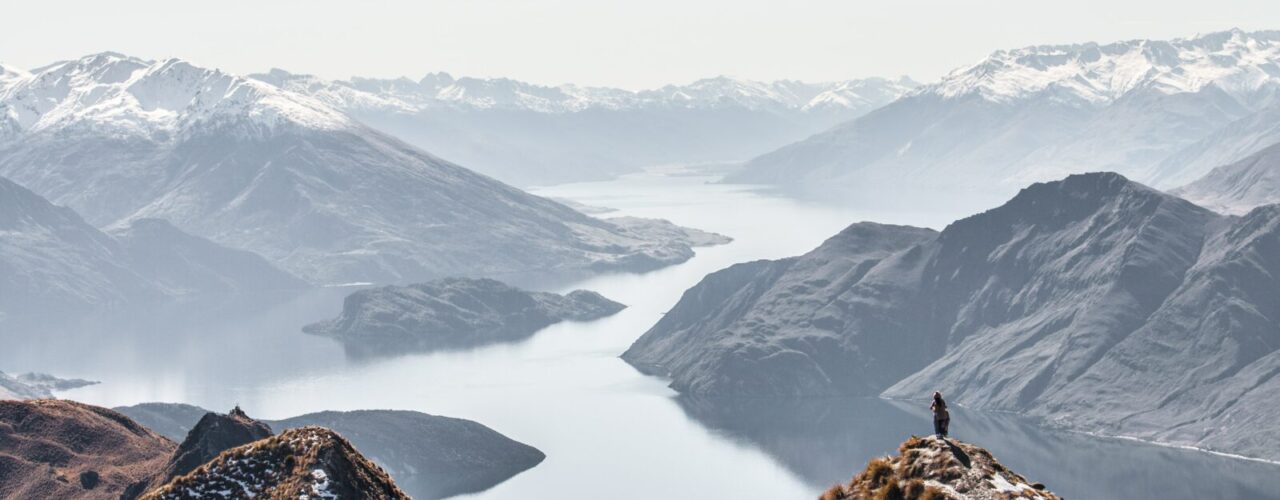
column 310, row 462
column 934, row 468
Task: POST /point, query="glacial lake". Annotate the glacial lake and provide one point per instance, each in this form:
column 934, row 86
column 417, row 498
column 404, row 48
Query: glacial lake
column 607, row 430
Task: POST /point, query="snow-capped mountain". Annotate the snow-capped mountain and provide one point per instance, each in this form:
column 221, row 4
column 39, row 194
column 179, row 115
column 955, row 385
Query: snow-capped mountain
column 1039, row 113
column 532, row 134
column 126, row 96
column 1093, row 302
column 252, row 166
column 443, row 90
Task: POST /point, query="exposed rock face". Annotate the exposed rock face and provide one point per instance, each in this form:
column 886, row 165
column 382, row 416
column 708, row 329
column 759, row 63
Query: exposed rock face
column 453, row 312
column 937, row 469
column 1238, row 187
column 212, row 435
column 36, row 385
column 307, row 462
column 64, row 449
column 1093, row 302
column 429, row 456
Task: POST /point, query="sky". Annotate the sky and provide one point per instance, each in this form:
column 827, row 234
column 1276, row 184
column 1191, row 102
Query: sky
column 630, row 44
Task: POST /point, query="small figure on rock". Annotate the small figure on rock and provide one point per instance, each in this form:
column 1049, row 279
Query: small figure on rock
column 941, row 418
column 237, row 412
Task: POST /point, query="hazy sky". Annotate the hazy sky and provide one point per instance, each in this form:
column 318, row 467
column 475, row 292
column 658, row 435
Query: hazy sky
column 633, row 44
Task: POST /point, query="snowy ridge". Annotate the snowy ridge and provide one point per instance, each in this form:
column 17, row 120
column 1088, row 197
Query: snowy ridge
column 441, row 89
column 129, row 96
column 1239, row 63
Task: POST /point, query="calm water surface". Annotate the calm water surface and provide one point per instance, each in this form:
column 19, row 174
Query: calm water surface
column 606, row 429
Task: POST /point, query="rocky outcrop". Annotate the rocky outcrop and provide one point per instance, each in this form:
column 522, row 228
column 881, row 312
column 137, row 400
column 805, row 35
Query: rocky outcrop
column 212, row 435
column 1094, row 303
column 453, row 313
column 64, row 449
column 933, row 468
column 429, row 456
column 310, row 462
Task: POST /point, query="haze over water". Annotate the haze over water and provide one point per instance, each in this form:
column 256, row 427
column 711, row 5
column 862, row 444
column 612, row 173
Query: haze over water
column 606, row 429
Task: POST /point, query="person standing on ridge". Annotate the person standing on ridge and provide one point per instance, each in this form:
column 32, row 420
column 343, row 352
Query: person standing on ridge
column 941, row 419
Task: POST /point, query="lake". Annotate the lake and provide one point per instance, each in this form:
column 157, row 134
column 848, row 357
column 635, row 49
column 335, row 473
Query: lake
column 607, row 430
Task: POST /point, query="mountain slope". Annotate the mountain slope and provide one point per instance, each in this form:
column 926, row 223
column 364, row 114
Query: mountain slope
column 181, row 263
column 50, row 256
column 52, row 260
column 254, row 167
column 775, row 327
column 1093, row 302
column 64, row 449
column 1035, row 114
column 1239, row 187
column 530, row 134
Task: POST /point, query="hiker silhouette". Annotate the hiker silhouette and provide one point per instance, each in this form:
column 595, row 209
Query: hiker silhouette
column 941, row 417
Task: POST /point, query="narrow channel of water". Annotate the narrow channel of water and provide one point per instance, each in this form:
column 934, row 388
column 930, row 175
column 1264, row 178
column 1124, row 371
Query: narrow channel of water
column 606, row 429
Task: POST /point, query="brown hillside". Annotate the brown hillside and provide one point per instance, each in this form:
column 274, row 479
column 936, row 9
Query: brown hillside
column 64, row 449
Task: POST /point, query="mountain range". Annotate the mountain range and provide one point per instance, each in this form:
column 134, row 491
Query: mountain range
column 529, row 134
column 253, row 167
column 1160, row 112
column 1093, row 303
